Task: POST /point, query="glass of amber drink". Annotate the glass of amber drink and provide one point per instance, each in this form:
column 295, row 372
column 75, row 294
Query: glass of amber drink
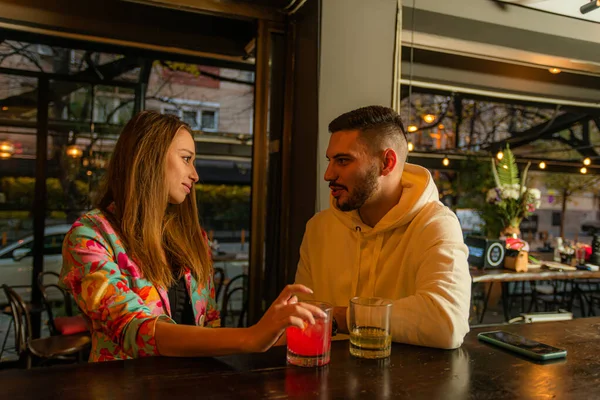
column 310, row 346
column 370, row 334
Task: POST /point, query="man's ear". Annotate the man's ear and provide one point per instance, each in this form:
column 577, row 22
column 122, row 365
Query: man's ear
column 390, row 160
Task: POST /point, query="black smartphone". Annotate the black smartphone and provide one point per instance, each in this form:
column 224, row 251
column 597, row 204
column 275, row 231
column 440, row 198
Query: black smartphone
column 519, row 344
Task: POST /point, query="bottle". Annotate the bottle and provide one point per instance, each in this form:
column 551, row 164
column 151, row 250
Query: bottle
column 558, row 245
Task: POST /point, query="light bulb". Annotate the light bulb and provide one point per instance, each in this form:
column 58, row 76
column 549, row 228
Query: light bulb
column 583, row 170
column 500, row 155
column 446, row 161
column 412, row 128
column 429, row 118
column 411, row 146
column 587, row 161
column 74, row 151
column 554, row 71
column 542, row 165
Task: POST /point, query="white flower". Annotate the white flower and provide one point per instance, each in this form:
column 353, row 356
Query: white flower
column 492, row 196
column 510, row 193
column 535, row 193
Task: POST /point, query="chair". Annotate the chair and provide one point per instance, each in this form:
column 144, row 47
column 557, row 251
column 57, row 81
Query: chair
column 68, row 325
column 219, row 280
column 230, row 290
column 53, row 347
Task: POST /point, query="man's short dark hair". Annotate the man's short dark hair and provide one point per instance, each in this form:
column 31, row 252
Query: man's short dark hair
column 379, row 127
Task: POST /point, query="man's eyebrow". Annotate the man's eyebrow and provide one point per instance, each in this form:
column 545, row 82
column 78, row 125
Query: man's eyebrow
column 339, row 155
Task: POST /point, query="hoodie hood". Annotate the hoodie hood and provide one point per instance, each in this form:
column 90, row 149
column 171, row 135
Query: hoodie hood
column 418, row 189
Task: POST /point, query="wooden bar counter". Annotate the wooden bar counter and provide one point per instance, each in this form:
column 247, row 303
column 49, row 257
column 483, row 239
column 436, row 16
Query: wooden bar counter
column 476, row 370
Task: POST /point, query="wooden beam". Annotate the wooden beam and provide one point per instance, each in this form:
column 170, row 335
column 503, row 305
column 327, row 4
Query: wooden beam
column 223, row 8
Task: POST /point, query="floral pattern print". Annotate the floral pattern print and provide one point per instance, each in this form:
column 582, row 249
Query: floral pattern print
column 120, row 306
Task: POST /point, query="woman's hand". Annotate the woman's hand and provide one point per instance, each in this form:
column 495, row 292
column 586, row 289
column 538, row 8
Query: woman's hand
column 285, row 311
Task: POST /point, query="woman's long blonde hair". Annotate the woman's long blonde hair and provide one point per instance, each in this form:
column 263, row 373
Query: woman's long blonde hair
column 158, row 236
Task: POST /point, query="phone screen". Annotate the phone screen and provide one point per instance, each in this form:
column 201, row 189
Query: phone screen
column 521, row 342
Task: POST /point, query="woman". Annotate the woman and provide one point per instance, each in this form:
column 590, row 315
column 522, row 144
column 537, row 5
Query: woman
column 138, row 266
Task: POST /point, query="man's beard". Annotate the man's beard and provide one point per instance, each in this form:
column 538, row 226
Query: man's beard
column 362, row 192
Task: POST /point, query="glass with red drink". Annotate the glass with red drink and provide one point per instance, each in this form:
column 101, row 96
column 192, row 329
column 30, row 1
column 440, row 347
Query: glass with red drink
column 310, row 346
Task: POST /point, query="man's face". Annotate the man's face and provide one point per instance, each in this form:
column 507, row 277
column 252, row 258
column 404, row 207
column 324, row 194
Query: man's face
column 352, row 172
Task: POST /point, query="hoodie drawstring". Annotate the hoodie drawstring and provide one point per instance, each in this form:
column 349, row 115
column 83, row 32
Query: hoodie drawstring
column 357, row 266
column 373, row 269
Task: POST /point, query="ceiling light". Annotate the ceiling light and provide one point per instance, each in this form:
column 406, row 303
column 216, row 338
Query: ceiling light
column 590, row 6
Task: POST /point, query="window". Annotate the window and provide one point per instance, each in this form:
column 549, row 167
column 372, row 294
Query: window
column 53, row 244
column 209, row 120
column 191, row 118
column 556, row 218
column 198, row 119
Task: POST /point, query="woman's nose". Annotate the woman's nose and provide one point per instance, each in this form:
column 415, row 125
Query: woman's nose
column 194, row 175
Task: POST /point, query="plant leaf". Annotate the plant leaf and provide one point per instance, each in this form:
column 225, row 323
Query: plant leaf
column 508, row 172
column 495, row 172
column 524, row 177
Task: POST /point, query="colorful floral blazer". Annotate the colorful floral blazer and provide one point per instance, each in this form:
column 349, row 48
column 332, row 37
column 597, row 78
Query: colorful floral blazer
column 121, row 307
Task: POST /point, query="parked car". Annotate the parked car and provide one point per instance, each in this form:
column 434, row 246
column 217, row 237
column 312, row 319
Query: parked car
column 16, row 262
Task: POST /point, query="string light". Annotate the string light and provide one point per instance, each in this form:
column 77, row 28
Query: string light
column 411, row 146
column 554, row 71
column 412, row 128
column 542, row 165
column 587, row 161
column 500, row 155
column 7, row 149
column 428, row 118
column 446, row 161
column 74, row 151
column 583, row 170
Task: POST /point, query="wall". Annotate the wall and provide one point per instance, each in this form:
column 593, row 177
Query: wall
column 356, row 68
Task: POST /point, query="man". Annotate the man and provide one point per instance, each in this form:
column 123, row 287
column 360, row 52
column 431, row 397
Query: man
column 386, row 234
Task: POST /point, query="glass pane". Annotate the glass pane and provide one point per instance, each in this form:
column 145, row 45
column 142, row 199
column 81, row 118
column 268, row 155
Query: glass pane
column 53, row 59
column 18, row 100
column 113, row 105
column 18, row 105
column 70, row 101
column 209, row 120
column 191, row 118
column 79, row 150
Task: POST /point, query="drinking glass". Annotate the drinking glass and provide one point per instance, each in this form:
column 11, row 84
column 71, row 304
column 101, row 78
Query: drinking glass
column 310, row 346
column 370, row 334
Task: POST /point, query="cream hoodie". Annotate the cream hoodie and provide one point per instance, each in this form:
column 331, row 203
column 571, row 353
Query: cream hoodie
column 415, row 256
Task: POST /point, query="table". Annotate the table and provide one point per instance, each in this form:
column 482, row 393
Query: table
column 507, row 275
column 476, row 370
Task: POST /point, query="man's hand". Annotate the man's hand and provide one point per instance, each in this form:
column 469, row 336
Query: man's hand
column 339, row 313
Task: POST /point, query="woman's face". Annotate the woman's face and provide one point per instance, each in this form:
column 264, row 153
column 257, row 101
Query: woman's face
column 180, row 170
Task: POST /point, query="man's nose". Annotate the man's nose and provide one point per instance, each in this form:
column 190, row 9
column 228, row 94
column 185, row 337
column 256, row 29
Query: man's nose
column 329, row 173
